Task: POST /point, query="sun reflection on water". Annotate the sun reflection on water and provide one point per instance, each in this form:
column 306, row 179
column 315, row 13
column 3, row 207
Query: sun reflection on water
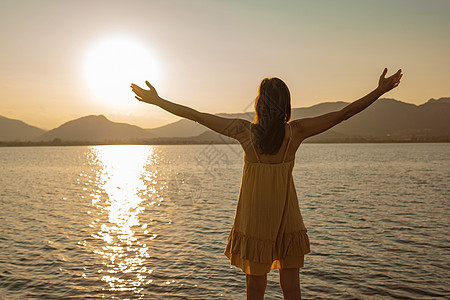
column 124, row 187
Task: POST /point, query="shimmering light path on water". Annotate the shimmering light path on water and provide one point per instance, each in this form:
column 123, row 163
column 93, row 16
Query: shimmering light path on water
column 151, row 222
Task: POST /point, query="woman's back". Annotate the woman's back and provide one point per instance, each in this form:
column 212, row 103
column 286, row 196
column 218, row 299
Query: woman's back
column 291, row 142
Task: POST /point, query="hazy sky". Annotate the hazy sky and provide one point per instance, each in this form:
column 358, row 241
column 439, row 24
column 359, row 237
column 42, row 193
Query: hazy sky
column 59, row 60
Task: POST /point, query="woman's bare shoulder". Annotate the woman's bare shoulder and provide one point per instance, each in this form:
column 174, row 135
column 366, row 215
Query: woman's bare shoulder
column 297, row 129
column 295, row 125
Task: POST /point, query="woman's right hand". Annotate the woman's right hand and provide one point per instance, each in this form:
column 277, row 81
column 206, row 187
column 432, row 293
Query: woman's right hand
column 387, row 84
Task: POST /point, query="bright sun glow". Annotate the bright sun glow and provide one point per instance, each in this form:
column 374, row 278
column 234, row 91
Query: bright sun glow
column 112, row 64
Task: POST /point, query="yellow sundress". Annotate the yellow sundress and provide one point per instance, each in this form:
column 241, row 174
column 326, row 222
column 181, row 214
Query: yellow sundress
column 268, row 231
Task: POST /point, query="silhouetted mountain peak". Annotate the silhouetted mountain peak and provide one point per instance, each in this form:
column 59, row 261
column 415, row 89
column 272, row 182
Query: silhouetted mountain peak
column 95, row 128
column 91, row 117
column 99, row 117
column 440, row 100
column 11, row 129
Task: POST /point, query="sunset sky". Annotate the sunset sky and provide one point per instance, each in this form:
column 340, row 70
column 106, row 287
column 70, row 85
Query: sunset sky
column 61, row 60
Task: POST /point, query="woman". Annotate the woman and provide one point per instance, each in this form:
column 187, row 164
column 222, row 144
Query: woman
column 268, row 231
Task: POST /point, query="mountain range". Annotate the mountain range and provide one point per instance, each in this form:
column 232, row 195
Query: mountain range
column 384, row 120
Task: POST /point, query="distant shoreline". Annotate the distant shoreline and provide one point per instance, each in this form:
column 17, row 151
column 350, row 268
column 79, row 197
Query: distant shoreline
column 110, row 143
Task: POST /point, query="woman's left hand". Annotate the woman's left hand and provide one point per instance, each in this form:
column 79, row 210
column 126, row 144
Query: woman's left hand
column 387, row 84
column 148, row 96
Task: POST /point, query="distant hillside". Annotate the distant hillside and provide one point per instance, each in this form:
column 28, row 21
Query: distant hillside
column 384, row 119
column 95, row 129
column 15, row 130
column 395, row 119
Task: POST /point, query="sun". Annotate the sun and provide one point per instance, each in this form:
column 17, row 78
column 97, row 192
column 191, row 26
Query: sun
column 112, row 64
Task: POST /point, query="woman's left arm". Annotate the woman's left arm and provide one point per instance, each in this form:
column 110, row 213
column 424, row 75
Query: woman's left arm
column 230, row 127
column 315, row 125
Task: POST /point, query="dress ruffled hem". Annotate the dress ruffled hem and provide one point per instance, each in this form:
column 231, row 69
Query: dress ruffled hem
column 253, row 268
column 266, row 252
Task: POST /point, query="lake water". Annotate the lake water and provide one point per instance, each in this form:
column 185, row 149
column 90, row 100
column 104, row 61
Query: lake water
column 151, row 222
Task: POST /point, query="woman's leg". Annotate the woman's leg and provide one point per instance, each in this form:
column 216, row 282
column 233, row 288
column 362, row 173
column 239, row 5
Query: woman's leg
column 290, row 283
column 256, row 286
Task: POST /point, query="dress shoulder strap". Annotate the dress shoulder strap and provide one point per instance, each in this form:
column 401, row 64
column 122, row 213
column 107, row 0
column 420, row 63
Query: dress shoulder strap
column 257, row 157
column 287, row 147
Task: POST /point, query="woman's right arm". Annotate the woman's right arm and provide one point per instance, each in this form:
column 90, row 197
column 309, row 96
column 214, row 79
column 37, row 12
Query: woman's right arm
column 308, row 127
column 231, row 127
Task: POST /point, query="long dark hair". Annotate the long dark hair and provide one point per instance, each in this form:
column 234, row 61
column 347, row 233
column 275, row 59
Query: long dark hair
column 272, row 110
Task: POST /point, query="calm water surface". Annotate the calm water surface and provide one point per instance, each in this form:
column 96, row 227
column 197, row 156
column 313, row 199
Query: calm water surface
column 151, row 222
